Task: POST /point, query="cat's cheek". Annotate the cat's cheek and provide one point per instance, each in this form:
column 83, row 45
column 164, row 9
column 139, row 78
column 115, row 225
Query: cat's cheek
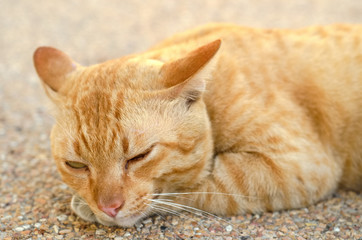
column 81, row 208
column 76, row 181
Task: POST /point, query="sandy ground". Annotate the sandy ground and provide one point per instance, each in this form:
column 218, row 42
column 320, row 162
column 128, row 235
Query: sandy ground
column 34, row 203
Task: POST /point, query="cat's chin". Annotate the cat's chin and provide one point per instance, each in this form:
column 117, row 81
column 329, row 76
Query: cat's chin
column 122, row 222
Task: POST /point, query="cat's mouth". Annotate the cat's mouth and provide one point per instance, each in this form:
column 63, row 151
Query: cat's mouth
column 131, row 219
column 81, row 208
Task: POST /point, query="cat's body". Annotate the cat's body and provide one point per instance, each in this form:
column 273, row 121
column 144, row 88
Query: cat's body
column 272, row 120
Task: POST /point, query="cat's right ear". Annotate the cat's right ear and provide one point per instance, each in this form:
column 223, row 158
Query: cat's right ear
column 52, row 66
column 186, row 77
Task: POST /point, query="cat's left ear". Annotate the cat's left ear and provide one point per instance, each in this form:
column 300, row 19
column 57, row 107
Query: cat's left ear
column 52, row 66
column 186, row 77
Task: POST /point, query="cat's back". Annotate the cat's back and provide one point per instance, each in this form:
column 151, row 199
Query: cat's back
column 318, row 66
column 281, row 55
column 264, row 75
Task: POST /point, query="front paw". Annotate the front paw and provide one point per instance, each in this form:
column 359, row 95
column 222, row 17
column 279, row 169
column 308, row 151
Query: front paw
column 81, row 208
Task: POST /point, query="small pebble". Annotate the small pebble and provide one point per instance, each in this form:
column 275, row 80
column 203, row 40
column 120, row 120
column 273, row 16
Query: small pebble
column 163, row 228
column 37, row 225
column 100, row 232
column 336, row 229
column 174, row 221
column 112, row 235
column 56, row 228
column 19, row 229
column 65, row 231
column 229, row 228
column 138, row 225
column 146, row 221
column 4, row 219
column 26, row 226
column 62, row 218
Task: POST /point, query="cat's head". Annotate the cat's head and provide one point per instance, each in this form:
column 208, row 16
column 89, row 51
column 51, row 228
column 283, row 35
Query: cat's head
column 128, row 130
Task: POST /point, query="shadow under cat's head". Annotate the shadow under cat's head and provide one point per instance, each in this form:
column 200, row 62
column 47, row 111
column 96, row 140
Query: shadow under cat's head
column 129, row 129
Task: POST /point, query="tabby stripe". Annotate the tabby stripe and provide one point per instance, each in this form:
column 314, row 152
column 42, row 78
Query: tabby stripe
column 84, row 140
column 113, row 140
column 232, row 103
column 149, row 166
column 125, row 145
column 183, row 171
column 277, row 176
column 80, row 132
column 119, row 105
column 301, row 190
column 76, row 147
column 177, row 146
column 234, row 170
column 232, row 205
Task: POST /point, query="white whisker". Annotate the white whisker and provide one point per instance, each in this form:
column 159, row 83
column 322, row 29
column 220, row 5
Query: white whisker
column 192, row 210
column 167, row 210
column 214, row 193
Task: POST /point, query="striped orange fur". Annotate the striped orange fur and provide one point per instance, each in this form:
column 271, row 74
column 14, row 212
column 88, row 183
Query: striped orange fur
column 222, row 118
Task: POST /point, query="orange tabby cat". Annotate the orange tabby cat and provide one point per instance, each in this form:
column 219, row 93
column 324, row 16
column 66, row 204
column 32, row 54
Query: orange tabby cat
column 259, row 120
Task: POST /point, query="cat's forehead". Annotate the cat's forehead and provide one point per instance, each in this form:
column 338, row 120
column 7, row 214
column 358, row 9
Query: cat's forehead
column 140, row 73
column 129, row 73
column 107, row 104
column 105, row 123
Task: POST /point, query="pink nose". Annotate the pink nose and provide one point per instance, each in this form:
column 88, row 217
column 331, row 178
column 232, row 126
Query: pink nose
column 111, row 209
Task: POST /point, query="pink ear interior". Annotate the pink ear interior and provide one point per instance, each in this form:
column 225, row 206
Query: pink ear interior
column 52, row 65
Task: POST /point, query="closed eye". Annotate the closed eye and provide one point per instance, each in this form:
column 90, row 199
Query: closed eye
column 139, row 157
column 76, row 165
